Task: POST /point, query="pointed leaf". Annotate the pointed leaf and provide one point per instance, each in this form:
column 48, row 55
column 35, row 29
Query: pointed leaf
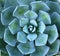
column 9, row 38
column 20, row 10
column 23, row 21
column 42, row 27
column 13, row 51
column 33, row 22
column 25, row 29
column 32, row 37
column 55, row 17
column 24, row 2
column 14, row 26
column 52, row 33
column 41, row 40
column 44, row 16
column 30, row 14
column 6, row 15
column 9, row 3
column 40, row 51
column 26, row 48
column 21, row 37
column 54, row 48
column 54, row 6
column 39, row 5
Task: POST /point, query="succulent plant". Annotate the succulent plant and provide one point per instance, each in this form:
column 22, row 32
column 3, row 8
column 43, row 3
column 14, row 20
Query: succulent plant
column 29, row 27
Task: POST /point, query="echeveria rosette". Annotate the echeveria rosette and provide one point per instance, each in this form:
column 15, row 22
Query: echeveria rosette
column 29, row 27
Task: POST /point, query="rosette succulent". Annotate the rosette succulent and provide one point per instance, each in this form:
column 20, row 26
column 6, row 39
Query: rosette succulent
column 29, row 27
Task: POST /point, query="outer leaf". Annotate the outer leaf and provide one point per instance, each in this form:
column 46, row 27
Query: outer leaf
column 9, row 3
column 13, row 51
column 41, row 27
column 52, row 33
column 6, row 15
column 20, row 10
column 23, row 21
column 42, row 0
column 32, row 37
column 40, row 51
column 39, row 5
column 14, row 26
column 54, row 48
column 26, row 48
column 54, row 6
column 21, row 37
column 41, row 40
column 44, row 16
column 24, row 2
column 55, row 17
column 9, row 38
column 31, row 14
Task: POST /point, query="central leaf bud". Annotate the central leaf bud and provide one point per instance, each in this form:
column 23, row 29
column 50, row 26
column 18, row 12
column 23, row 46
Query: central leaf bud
column 31, row 28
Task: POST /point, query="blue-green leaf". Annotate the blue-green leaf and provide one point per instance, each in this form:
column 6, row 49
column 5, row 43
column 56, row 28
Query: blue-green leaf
column 41, row 40
column 23, row 21
column 20, row 10
column 24, row 2
column 41, row 27
column 30, row 14
column 9, row 38
column 21, row 37
column 26, row 48
column 13, row 51
column 33, row 22
column 39, row 5
column 9, row 3
column 54, row 6
column 25, row 29
column 44, row 16
column 55, row 18
column 54, row 48
column 52, row 33
column 40, row 51
column 14, row 26
column 6, row 15
column 32, row 37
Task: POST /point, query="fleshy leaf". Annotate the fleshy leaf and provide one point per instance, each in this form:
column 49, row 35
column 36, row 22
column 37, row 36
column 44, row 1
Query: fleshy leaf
column 44, row 16
column 9, row 38
column 42, row 0
column 13, row 51
column 39, row 5
column 20, row 10
column 21, row 37
column 24, row 2
column 52, row 33
column 30, row 14
column 41, row 40
column 23, row 21
column 25, row 29
column 9, row 3
column 2, row 46
column 33, row 22
column 41, row 27
column 26, row 48
column 54, row 6
column 55, row 17
column 6, row 15
column 40, row 51
column 14, row 26
column 54, row 48
column 32, row 37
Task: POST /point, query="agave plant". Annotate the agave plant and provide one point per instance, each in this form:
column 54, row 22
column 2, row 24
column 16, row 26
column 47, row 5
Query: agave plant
column 29, row 27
